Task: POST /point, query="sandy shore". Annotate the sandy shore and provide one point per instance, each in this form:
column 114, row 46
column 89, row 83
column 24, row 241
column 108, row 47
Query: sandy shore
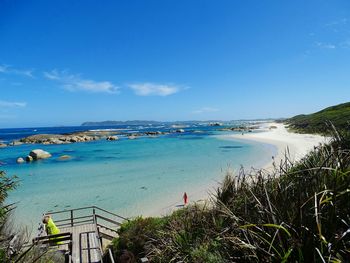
column 297, row 145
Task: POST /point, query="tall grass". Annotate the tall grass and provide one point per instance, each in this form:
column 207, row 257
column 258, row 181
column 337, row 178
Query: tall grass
column 299, row 212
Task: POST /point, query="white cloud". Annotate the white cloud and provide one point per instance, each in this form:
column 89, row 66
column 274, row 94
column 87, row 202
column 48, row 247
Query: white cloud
column 326, row 45
column 76, row 83
column 6, row 69
column 9, row 104
column 152, row 89
column 205, row 110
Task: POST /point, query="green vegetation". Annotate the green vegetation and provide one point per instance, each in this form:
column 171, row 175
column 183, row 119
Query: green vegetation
column 299, row 212
column 12, row 240
column 318, row 122
column 6, row 235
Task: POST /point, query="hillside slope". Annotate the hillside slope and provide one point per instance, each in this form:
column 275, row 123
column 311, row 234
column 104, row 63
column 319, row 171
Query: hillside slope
column 339, row 115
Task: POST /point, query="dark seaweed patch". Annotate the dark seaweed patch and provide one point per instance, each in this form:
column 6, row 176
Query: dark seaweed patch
column 190, row 137
column 230, row 147
column 107, row 157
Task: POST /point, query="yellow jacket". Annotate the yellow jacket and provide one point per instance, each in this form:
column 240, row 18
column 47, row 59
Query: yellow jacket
column 52, row 229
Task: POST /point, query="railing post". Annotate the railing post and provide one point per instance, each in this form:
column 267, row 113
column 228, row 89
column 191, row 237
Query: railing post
column 71, row 218
column 111, row 255
column 94, row 215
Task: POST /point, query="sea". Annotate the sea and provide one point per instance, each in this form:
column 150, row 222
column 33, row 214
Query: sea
column 136, row 177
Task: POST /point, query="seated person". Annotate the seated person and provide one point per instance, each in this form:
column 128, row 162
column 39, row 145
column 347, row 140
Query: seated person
column 51, row 228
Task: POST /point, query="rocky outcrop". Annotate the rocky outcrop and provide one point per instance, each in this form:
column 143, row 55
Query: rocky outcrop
column 154, row 133
column 112, row 138
column 215, row 124
column 39, row 154
column 15, row 143
column 240, row 128
column 58, row 138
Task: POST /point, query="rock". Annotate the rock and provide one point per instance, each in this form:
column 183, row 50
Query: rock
column 3, row 145
column 215, row 124
column 20, row 160
column 64, row 157
column 15, row 143
column 73, row 139
column 39, row 154
column 132, row 137
column 180, row 130
column 29, row 158
column 112, row 138
column 56, row 141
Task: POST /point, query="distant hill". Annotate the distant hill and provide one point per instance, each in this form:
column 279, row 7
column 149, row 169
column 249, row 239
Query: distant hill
column 115, row 123
column 339, row 115
column 142, row 123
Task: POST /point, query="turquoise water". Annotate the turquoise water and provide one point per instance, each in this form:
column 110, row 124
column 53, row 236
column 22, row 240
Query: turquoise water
column 126, row 176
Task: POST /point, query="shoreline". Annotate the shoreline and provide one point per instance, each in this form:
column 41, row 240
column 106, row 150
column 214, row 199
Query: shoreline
column 294, row 144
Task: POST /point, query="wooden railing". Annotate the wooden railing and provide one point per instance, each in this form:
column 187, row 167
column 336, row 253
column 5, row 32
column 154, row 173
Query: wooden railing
column 85, row 215
column 101, row 218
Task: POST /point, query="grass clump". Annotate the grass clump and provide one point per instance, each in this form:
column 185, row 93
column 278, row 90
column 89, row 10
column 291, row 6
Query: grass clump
column 299, row 212
column 134, row 234
column 7, row 248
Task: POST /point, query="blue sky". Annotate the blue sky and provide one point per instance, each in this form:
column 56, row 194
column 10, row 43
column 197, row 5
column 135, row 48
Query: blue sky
column 66, row 62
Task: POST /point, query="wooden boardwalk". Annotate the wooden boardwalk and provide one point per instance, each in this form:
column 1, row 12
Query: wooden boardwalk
column 85, row 243
column 86, row 233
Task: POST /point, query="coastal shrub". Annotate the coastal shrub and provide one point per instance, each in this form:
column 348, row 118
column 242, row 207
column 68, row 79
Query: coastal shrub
column 134, row 234
column 12, row 240
column 298, row 212
column 6, row 235
column 40, row 255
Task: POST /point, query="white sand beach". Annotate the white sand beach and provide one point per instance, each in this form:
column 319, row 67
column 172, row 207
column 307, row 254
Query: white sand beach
column 276, row 134
column 297, row 145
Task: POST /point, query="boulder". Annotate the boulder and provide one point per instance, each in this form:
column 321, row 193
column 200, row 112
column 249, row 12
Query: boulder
column 20, row 160
column 2, row 145
column 29, row 158
column 15, row 143
column 39, row 154
column 73, row 139
column 180, row 130
column 56, row 141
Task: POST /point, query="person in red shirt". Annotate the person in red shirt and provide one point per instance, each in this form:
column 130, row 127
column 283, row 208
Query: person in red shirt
column 185, row 198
